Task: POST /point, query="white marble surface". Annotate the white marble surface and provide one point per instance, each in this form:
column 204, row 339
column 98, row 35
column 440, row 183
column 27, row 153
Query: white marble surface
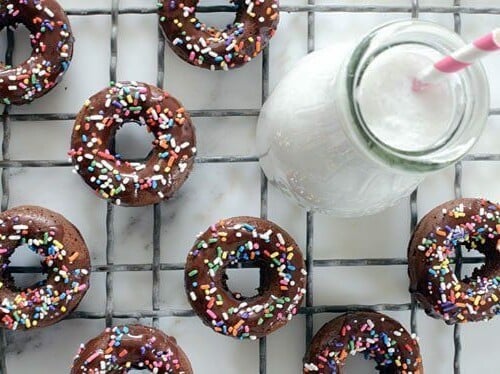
column 217, row 191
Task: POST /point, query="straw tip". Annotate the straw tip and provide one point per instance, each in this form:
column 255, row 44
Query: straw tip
column 417, row 85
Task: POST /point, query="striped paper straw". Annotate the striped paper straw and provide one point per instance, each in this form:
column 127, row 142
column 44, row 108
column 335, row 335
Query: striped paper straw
column 459, row 60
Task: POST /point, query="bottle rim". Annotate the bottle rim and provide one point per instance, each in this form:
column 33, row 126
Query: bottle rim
column 470, row 123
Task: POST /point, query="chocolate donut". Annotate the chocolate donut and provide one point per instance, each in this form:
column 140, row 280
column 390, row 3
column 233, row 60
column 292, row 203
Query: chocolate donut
column 65, row 261
column 52, row 49
column 125, row 182
column 120, row 349
column 245, row 240
column 375, row 335
column 207, row 47
column 470, row 223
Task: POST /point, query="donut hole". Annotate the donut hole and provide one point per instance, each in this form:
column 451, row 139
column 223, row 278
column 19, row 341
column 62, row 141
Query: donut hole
column 133, row 141
column 216, row 20
column 22, row 45
column 362, row 365
column 468, row 270
column 25, row 268
column 243, row 281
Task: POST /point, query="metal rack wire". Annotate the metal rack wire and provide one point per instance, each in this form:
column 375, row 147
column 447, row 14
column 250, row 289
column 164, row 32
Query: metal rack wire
column 413, row 9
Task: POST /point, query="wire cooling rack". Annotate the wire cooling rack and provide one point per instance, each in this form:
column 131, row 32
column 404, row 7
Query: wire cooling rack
column 413, row 9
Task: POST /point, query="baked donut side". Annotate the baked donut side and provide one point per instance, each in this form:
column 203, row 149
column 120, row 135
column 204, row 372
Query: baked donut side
column 207, row 47
column 469, row 223
column 245, row 240
column 375, row 335
column 66, row 262
column 133, row 183
column 52, row 49
column 122, row 348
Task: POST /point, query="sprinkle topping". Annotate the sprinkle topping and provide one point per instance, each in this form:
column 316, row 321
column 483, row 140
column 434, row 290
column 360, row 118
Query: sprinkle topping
column 245, row 240
column 67, row 271
column 208, row 47
column 128, row 182
column 470, row 223
column 119, row 349
column 374, row 335
column 52, row 49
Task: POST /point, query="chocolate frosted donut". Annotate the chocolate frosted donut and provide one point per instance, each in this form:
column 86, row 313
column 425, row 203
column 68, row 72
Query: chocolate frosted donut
column 282, row 277
column 120, row 349
column 65, row 261
column 125, row 182
column 52, row 49
column 199, row 45
column 375, row 335
column 469, row 223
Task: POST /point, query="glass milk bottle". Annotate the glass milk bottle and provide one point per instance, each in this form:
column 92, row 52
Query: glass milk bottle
column 344, row 133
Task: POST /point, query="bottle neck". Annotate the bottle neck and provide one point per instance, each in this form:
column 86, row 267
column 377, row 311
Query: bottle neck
column 378, row 129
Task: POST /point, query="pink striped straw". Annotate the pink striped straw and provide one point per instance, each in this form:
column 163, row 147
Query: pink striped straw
column 459, row 59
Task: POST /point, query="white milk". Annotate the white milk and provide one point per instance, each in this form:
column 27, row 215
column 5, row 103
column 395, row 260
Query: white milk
column 351, row 151
column 398, row 116
column 304, row 151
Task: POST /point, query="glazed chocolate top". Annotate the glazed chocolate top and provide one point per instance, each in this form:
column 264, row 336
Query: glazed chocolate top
column 196, row 43
column 122, row 348
column 467, row 223
column 245, row 240
column 65, row 260
column 133, row 183
column 372, row 334
column 52, row 49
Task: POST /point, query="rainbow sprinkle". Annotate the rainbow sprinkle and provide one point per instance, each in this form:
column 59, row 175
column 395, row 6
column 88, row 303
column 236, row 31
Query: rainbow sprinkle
column 50, row 299
column 52, row 46
column 476, row 297
column 122, row 348
column 256, row 22
column 238, row 241
column 119, row 180
column 391, row 347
